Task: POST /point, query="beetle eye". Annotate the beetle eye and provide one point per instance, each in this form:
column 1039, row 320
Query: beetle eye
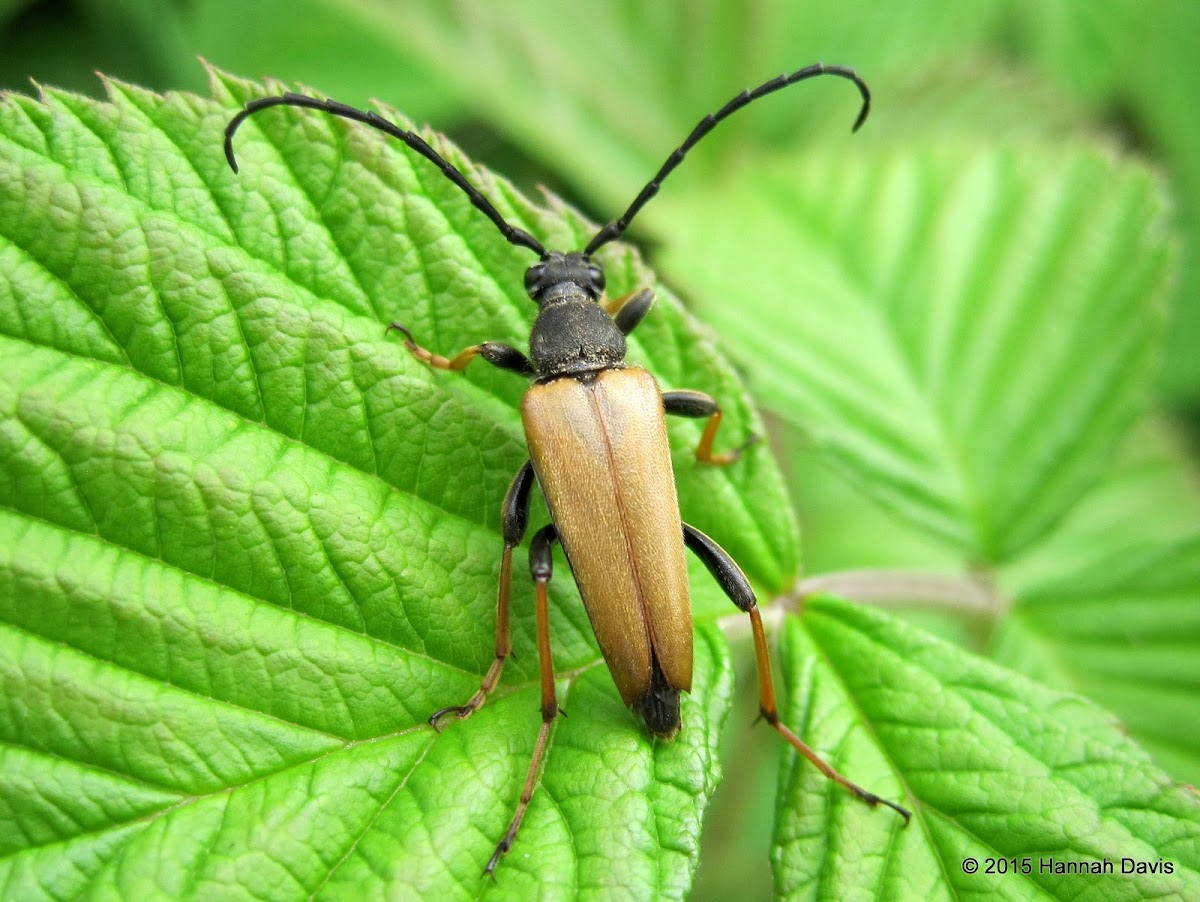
column 533, row 276
column 596, row 275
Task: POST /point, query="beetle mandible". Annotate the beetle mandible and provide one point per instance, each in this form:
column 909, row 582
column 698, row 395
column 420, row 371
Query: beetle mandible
column 597, row 439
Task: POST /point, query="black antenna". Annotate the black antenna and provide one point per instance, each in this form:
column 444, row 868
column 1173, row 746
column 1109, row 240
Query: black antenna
column 516, row 236
column 617, row 227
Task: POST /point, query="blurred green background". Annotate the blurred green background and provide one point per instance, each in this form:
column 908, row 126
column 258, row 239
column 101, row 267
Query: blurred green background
column 589, row 100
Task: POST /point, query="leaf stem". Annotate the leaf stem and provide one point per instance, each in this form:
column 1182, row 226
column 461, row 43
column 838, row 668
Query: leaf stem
column 972, row 594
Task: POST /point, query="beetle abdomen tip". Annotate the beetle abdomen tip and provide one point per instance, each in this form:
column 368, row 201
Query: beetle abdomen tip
column 659, row 707
column 660, row 711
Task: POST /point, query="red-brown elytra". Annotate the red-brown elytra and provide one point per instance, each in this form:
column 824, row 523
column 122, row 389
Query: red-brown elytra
column 598, row 450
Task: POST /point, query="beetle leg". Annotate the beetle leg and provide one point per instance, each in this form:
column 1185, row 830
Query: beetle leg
column 515, row 518
column 733, row 582
column 629, row 310
column 688, row 403
column 541, row 564
column 497, row 354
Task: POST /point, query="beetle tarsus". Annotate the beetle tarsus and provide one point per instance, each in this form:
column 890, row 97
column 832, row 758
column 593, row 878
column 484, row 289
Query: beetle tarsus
column 501, row 848
column 496, row 353
column 397, row 327
column 429, row 358
column 696, row 404
column 725, row 458
column 873, row 800
column 459, row 711
column 751, row 440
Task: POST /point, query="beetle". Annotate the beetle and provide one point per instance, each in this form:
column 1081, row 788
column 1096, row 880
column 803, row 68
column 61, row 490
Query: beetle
column 596, row 431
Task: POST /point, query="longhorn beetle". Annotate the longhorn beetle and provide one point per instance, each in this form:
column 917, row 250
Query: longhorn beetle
column 598, row 449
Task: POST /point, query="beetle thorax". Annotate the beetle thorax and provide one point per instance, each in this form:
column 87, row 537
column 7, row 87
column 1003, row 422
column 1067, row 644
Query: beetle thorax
column 573, row 335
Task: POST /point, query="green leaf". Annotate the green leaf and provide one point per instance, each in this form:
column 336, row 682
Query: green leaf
column 1141, row 64
column 1165, row 77
column 994, row 765
column 248, row 544
column 1104, row 606
column 844, row 529
column 1109, row 606
column 965, row 334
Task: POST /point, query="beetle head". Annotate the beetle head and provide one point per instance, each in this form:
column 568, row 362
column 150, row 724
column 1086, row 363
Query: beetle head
column 562, row 271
